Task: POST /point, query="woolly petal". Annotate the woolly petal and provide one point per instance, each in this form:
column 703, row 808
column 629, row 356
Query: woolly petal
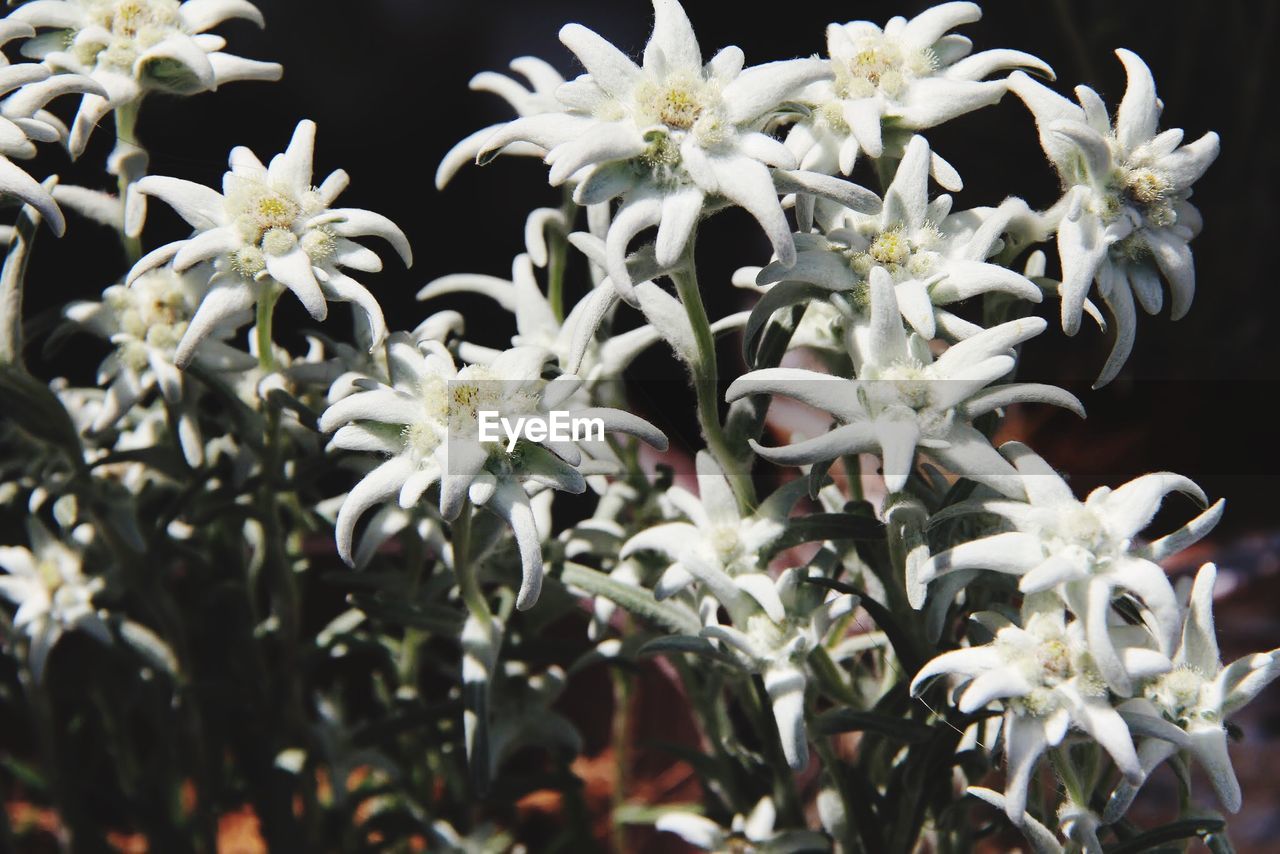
column 199, row 205
column 379, row 485
column 785, row 686
column 362, row 223
column 761, row 88
column 610, row 69
column 226, row 299
column 294, row 271
column 672, row 46
column 1139, row 113
column 201, row 15
column 1011, row 552
column 680, row 212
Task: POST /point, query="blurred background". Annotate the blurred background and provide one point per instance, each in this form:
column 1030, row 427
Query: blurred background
column 387, row 82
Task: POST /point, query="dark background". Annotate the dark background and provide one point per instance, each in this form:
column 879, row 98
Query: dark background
column 387, row 82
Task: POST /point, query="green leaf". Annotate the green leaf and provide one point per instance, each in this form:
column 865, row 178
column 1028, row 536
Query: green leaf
column 852, row 720
column 149, row 645
column 780, row 296
column 637, row 600
column 36, row 410
column 1178, row 830
column 685, row 644
column 817, row 527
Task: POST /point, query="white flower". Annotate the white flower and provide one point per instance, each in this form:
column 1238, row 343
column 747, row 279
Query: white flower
column 145, row 322
column 1198, row 695
column 541, row 98
column 672, row 137
column 1043, row 673
column 25, row 89
column 752, row 834
column 1126, row 218
column 909, row 76
column 270, row 224
column 717, row 535
column 934, row 257
column 426, row 422
column 132, row 47
column 1085, row 551
column 52, row 593
column 904, row 399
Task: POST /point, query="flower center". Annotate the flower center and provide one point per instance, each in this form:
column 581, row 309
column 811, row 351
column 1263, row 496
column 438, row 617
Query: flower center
column 881, row 67
column 1177, row 693
column 727, row 544
column 903, row 256
column 155, row 310
column 910, row 382
column 134, row 26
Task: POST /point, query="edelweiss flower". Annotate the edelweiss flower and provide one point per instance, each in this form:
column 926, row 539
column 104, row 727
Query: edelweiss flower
column 1126, row 218
column 52, row 594
column 544, row 79
column 270, row 224
column 752, row 834
column 775, row 640
column 1198, row 695
column 717, row 535
column 1085, row 550
column 909, row 76
column 1044, row 675
column 934, row 258
column 903, row 398
column 25, row 89
column 145, row 322
column 668, row 136
column 132, row 47
column 426, row 420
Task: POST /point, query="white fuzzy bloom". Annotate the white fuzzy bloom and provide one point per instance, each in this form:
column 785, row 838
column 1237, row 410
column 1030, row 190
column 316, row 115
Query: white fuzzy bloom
column 1198, row 695
column 1043, row 674
column 1125, row 218
column 25, row 90
column 132, row 47
column 1085, row 551
column 670, row 136
column 426, row 420
column 145, row 322
column 52, row 593
column 904, row 399
column 270, row 224
column 886, row 83
column 934, row 257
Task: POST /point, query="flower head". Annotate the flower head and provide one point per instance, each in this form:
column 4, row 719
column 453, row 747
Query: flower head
column 132, row 47
column 271, row 225
column 427, row 421
column 1126, row 218
column 670, row 136
column 1043, row 672
column 933, row 257
column 911, row 75
column 904, row 399
column 52, row 593
column 1085, row 551
column 1198, row 695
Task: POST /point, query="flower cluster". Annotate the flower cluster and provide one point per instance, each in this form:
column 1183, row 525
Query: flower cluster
column 377, row 546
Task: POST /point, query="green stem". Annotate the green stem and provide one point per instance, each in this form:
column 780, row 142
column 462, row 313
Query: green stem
column 266, row 311
column 12, row 280
column 126, row 118
column 706, row 383
column 621, row 738
column 466, row 571
column 558, row 255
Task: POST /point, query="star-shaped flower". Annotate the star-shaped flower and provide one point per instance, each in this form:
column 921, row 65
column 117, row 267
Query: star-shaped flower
column 903, row 399
column 934, row 257
column 132, row 47
column 25, row 89
column 1085, row 551
column 269, row 224
column 1198, row 695
column 1126, row 218
column 672, row 137
column 750, row 834
column 1043, row 674
column 51, row 591
column 145, row 322
column 426, row 420
column 910, row 76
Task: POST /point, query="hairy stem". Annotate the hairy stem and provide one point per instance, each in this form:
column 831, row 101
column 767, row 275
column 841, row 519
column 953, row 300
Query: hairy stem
column 12, row 280
column 706, row 383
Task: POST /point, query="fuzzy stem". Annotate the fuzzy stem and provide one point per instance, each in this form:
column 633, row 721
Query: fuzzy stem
column 266, row 311
column 126, row 117
column 706, row 383
column 558, row 256
column 12, row 280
